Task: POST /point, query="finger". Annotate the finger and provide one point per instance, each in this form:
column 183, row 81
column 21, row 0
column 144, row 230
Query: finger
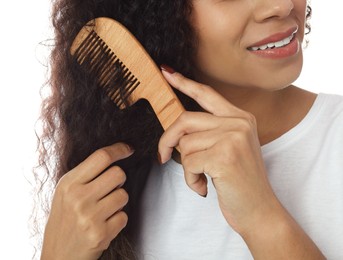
column 116, row 223
column 105, row 232
column 190, row 123
column 194, row 172
column 187, row 123
column 205, row 96
column 197, row 183
column 112, row 203
column 106, row 182
column 98, row 161
column 198, row 141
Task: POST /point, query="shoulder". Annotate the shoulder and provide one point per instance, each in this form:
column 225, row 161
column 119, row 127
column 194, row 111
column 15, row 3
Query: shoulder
column 331, row 99
column 329, row 121
column 330, row 106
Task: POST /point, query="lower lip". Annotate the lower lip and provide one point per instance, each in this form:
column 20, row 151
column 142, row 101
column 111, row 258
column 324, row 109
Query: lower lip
column 279, row 53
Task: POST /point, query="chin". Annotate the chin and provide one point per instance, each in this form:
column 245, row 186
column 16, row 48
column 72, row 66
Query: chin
column 280, row 78
column 281, row 83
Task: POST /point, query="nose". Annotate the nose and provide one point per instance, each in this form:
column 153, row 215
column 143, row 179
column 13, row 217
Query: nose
column 269, row 9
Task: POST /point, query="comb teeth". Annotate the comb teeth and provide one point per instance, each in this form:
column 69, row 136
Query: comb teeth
column 112, row 75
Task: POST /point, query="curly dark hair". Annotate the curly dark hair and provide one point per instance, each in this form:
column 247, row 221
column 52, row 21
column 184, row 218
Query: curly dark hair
column 79, row 118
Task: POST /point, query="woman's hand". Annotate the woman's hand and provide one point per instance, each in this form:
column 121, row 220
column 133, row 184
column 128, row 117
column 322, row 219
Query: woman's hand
column 222, row 143
column 86, row 209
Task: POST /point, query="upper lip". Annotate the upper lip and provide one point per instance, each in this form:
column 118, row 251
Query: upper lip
column 276, row 37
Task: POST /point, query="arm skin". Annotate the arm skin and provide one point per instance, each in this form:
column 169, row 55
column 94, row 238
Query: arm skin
column 278, row 236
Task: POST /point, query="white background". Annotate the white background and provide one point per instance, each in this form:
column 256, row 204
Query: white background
column 23, row 25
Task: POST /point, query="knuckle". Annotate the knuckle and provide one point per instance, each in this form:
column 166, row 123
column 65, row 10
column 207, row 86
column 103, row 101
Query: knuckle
column 98, row 239
column 122, row 219
column 115, row 175
column 95, row 234
column 245, row 126
column 183, row 143
column 203, row 88
column 103, row 155
column 123, row 196
column 183, row 117
column 90, row 228
column 85, row 223
column 63, row 185
column 77, row 206
column 66, row 189
column 186, row 161
column 119, row 174
column 250, row 118
column 73, row 200
column 189, row 179
column 200, row 91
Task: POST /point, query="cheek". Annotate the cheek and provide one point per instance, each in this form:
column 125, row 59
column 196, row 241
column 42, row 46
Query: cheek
column 230, row 69
column 219, row 50
column 219, row 64
column 219, row 29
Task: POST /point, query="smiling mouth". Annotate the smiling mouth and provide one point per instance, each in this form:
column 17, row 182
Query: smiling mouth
column 273, row 45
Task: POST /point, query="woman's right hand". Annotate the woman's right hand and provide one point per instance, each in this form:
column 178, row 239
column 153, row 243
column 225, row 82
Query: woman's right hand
column 86, row 212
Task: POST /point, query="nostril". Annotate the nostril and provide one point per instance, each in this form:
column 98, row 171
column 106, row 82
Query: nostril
column 273, row 9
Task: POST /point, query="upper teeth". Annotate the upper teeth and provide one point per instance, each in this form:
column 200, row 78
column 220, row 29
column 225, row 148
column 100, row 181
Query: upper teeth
column 274, row 44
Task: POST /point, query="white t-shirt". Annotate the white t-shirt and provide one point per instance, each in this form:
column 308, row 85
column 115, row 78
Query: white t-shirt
column 305, row 168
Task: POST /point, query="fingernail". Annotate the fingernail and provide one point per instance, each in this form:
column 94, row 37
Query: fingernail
column 167, row 69
column 131, row 149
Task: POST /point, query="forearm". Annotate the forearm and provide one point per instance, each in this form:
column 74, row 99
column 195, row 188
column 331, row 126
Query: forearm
column 280, row 237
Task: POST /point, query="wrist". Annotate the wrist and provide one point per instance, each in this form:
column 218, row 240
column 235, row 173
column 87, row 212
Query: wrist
column 266, row 222
column 277, row 235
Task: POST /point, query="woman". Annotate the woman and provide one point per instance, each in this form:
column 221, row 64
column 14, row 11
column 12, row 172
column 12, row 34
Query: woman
column 271, row 151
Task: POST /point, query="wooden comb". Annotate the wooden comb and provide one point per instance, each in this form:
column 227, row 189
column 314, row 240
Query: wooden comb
column 120, row 65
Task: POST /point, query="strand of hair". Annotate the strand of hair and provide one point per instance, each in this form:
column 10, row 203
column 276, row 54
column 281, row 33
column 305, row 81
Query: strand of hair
column 80, row 51
column 121, row 84
column 132, row 86
column 123, row 94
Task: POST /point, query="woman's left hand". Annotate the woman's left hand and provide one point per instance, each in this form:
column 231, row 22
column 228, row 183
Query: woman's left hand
column 224, row 144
